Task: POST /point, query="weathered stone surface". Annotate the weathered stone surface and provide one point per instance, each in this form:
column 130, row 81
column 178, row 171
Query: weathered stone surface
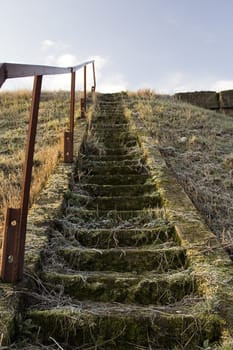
column 205, row 99
column 226, row 99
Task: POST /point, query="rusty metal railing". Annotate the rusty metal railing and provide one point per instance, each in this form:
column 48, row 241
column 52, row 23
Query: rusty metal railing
column 14, row 234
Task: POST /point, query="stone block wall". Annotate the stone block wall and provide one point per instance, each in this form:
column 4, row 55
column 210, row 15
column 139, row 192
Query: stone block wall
column 222, row 100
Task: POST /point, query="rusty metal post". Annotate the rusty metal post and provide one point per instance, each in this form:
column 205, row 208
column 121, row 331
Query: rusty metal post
column 16, row 219
column 84, row 99
column 94, row 78
column 69, row 135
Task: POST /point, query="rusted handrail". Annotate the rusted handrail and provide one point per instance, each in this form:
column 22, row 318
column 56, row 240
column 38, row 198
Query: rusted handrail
column 14, row 235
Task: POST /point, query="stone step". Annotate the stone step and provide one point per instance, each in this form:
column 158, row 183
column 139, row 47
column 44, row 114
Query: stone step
column 121, row 150
column 114, row 203
column 118, row 237
column 84, row 162
column 111, row 169
column 160, row 289
column 123, row 202
column 115, row 134
column 138, row 260
column 109, row 127
column 115, row 157
column 116, row 190
column 120, row 327
column 114, row 216
column 127, row 179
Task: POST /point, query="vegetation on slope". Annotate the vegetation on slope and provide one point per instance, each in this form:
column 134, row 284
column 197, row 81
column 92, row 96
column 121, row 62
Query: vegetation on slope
column 197, row 145
column 14, row 117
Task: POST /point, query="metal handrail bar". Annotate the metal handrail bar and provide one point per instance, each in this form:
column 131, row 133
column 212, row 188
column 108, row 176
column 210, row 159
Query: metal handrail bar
column 18, row 70
column 14, row 235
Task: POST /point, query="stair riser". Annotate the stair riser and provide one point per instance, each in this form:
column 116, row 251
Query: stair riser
column 155, row 331
column 115, row 180
column 103, row 239
column 122, row 290
column 114, row 191
column 127, row 203
column 95, row 170
column 116, row 217
column 133, row 261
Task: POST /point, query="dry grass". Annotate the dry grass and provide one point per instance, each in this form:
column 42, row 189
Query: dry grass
column 14, row 115
column 197, row 145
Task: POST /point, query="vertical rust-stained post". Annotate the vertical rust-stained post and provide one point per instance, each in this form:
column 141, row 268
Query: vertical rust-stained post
column 9, row 263
column 84, row 99
column 69, row 135
column 16, row 219
column 27, row 174
column 94, row 78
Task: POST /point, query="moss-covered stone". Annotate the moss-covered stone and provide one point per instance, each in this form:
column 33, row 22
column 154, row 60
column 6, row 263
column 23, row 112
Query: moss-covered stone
column 125, row 259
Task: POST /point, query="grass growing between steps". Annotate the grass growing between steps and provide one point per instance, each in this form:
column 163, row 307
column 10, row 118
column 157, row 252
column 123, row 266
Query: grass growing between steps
column 14, row 117
column 197, row 145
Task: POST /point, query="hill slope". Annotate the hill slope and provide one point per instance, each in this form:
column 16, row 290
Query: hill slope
column 197, row 145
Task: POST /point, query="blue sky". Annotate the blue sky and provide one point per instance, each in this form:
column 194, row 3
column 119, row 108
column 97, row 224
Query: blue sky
column 165, row 45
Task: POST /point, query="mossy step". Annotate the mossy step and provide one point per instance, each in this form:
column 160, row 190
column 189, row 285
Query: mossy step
column 110, row 127
column 119, row 145
column 120, row 327
column 116, row 135
column 121, row 150
column 127, row 179
column 84, row 162
column 114, row 157
column 160, row 289
column 112, row 169
column 116, row 190
column 136, row 260
column 115, row 216
column 123, row 202
column 112, row 238
column 106, row 118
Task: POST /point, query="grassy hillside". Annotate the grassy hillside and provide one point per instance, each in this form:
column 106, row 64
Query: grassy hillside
column 197, row 145
column 14, row 116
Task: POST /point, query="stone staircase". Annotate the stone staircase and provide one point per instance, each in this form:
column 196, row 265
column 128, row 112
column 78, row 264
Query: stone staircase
column 114, row 275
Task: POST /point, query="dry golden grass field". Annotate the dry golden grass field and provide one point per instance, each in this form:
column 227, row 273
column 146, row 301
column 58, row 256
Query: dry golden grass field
column 14, row 116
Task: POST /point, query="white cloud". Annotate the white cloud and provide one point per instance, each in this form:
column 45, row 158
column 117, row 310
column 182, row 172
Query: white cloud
column 58, row 54
column 221, row 85
column 47, row 44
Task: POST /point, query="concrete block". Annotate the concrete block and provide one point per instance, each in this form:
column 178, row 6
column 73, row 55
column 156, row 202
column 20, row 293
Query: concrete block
column 204, row 99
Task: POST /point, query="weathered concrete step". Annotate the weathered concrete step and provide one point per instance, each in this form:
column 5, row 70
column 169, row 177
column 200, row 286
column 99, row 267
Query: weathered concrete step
column 114, row 157
column 112, row 169
column 136, row 260
column 112, row 238
column 124, row 202
column 124, row 145
column 109, row 126
column 115, row 134
column 121, row 327
column 116, row 190
column 121, row 150
column 83, row 161
column 115, row 216
column 127, row 179
column 160, row 289
column 106, row 119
